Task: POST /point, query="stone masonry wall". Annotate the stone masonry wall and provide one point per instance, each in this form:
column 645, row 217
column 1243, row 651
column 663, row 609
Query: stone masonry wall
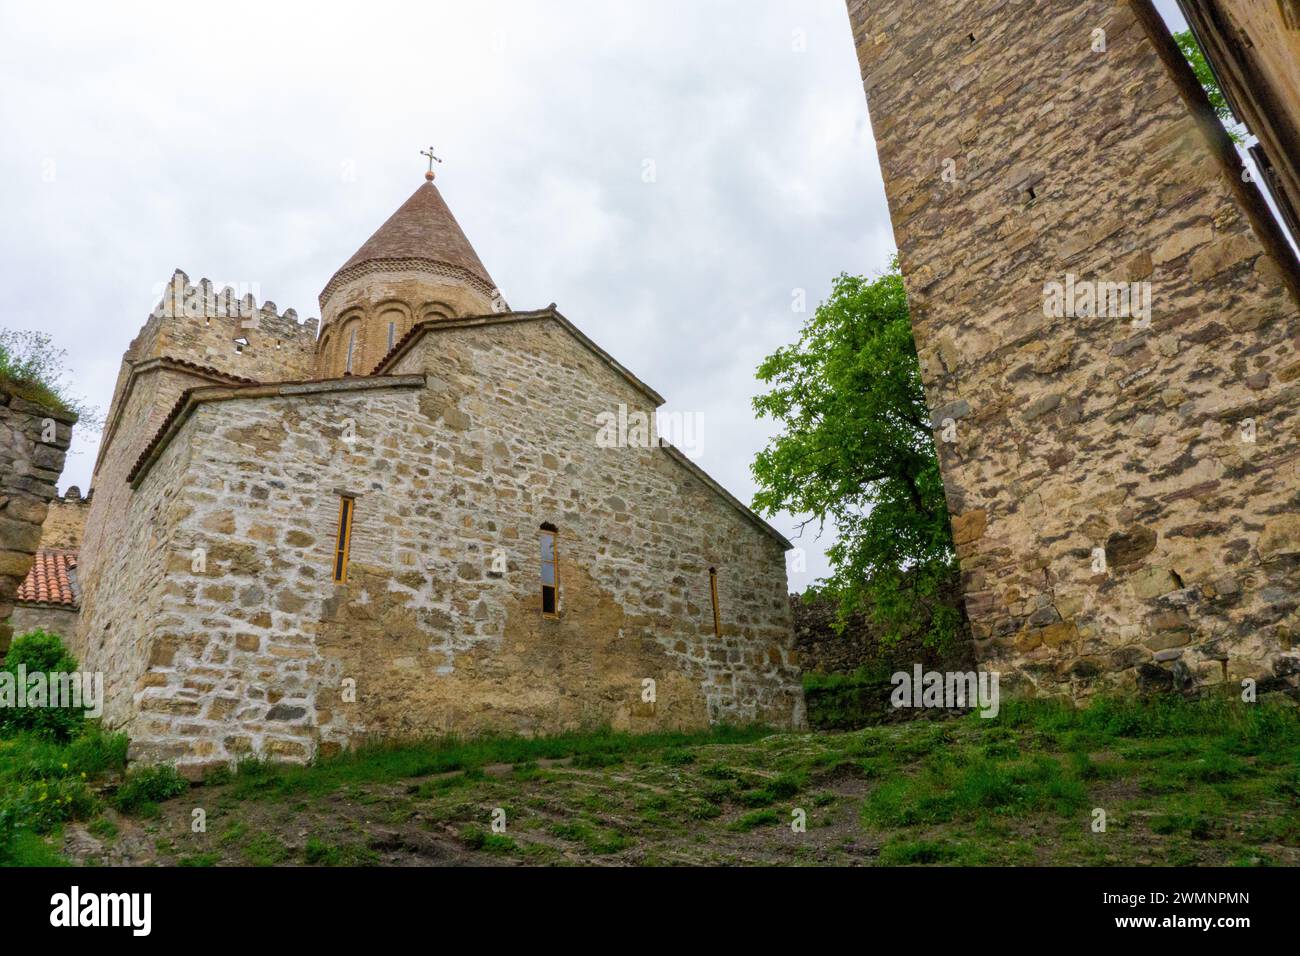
column 128, row 535
column 65, row 524
column 107, row 547
column 51, row 620
column 858, row 648
column 439, row 625
column 187, row 342
column 199, row 325
column 33, row 443
column 1125, row 496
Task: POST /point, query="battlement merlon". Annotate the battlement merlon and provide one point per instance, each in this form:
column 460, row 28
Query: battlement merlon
column 221, row 329
column 182, row 299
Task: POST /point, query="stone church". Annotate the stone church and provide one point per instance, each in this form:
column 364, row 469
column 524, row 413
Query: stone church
column 404, row 525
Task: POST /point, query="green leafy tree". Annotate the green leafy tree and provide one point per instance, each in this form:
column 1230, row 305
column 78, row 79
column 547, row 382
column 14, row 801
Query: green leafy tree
column 857, row 451
column 1186, row 41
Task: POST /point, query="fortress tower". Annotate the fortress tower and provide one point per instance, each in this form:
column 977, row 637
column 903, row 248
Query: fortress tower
column 196, row 337
column 1124, row 469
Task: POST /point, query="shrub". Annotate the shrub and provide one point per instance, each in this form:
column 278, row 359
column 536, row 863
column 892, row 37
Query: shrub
column 26, row 756
column 144, row 787
column 41, row 805
column 39, row 652
column 32, row 368
column 44, row 783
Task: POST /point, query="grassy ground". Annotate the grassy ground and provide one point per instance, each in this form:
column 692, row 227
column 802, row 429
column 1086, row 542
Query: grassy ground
column 1180, row 783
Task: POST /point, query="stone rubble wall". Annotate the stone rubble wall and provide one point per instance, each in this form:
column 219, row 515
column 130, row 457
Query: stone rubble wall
column 857, row 648
column 439, row 626
column 29, row 474
column 1014, row 152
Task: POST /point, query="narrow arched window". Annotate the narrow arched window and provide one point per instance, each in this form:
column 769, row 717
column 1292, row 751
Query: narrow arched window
column 550, row 570
column 392, row 336
column 352, row 347
column 713, row 595
column 343, row 542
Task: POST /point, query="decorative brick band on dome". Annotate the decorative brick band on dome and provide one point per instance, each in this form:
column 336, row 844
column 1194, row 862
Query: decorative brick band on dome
column 432, row 267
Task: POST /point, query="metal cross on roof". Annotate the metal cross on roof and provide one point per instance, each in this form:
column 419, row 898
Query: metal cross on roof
column 432, row 159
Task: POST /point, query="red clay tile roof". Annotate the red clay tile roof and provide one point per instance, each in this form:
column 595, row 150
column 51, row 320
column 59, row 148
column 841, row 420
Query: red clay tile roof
column 51, row 579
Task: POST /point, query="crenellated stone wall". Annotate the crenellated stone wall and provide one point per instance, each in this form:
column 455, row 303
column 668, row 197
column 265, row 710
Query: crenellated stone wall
column 220, row 330
column 34, row 440
column 1124, row 484
column 224, row 634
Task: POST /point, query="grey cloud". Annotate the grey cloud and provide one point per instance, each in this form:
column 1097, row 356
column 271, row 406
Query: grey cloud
column 262, row 143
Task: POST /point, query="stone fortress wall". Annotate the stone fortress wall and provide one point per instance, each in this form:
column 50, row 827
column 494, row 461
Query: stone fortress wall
column 65, row 524
column 33, row 444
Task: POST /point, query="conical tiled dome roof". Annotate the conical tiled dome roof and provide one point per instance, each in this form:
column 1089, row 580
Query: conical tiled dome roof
column 422, row 229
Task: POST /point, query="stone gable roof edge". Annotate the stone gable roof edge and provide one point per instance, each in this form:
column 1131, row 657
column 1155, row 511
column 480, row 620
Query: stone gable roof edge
column 192, row 398
column 149, row 365
column 677, row 456
column 420, row 329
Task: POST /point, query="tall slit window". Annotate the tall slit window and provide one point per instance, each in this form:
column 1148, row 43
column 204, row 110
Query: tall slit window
column 343, row 543
column 713, row 595
column 352, row 345
column 392, row 335
column 550, row 571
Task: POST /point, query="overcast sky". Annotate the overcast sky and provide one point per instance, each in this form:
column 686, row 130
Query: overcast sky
column 261, row 143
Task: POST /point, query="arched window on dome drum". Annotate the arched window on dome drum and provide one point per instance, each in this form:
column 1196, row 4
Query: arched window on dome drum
column 352, row 347
column 550, row 571
column 396, row 319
